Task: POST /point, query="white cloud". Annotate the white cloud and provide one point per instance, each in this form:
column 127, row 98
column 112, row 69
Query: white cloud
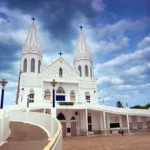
column 122, row 26
column 97, row 5
column 125, row 59
column 145, row 42
column 139, row 69
column 109, row 46
column 107, row 38
column 108, row 79
column 133, row 69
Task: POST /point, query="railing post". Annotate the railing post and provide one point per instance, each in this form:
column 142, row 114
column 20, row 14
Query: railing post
column 27, row 112
column 2, row 127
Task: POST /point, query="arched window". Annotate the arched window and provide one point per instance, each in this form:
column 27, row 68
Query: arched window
column 60, row 94
column 87, row 96
column 47, row 95
column 91, row 71
column 80, row 71
column 61, row 116
column 25, row 65
column 31, row 96
column 60, row 90
column 86, row 71
column 39, row 66
column 60, row 72
column 32, row 65
column 73, row 118
column 72, row 96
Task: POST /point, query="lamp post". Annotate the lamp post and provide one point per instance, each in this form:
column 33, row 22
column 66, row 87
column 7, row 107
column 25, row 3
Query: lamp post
column 53, row 109
column 53, row 84
column 3, row 83
column 22, row 94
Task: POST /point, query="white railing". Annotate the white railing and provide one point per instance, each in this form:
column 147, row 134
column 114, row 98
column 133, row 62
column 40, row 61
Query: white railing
column 56, row 141
column 4, row 126
column 49, row 124
column 40, row 119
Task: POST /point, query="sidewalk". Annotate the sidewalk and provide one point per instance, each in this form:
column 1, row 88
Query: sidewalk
column 25, row 137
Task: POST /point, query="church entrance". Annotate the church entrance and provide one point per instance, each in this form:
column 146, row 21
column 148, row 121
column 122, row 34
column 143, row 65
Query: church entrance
column 62, row 120
column 73, row 127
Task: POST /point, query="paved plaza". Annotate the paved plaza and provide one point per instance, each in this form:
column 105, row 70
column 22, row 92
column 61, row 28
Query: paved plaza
column 25, row 137
column 110, row 142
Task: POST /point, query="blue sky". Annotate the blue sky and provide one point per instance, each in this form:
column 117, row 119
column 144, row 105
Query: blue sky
column 117, row 33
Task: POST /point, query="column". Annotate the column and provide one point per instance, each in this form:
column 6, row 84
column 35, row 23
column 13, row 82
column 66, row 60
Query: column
column 86, row 121
column 108, row 122
column 128, row 124
column 120, row 121
column 104, row 120
column 44, row 110
column 101, row 122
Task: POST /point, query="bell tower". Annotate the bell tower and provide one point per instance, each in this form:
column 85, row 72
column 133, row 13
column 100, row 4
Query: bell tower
column 32, row 57
column 82, row 58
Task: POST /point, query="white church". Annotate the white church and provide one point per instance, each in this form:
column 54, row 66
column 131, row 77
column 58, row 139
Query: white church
column 70, row 92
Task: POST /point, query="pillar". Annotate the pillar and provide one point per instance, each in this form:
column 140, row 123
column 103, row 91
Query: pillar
column 101, row 122
column 120, row 121
column 86, row 121
column 104, row 120
column 128, row 124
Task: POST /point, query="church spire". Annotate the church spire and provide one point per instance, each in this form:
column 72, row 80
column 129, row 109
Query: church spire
column 82, row 50
column 32, row 43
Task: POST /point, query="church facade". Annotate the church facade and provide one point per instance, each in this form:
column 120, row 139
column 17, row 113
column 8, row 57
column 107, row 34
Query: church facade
column 70, row 92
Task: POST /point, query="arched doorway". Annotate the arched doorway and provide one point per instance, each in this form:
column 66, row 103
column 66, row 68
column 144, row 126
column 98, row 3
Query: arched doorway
column 62, row 119
column 73, row 126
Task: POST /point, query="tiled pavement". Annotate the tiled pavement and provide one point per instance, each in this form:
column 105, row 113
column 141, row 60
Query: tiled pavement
column 29, row 137
column 110, row 142
column 25, row 137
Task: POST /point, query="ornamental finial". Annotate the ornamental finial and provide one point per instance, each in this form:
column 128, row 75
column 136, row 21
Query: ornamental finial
column 81, row 28
column 33, row 19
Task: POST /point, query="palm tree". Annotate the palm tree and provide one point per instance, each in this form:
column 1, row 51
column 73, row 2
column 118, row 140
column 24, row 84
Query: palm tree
column 119, row 104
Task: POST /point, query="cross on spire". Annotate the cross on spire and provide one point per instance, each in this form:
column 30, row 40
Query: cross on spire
column 60, row 53
column 33, row 19
column 81, row 28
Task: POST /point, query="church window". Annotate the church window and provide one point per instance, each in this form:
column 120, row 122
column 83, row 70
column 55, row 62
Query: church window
column 25, row 65
column 87, row 96
column 61, row 116
column 32, row 65
column 91, row 71
column 39, row 66
column 47, row 95
column 80, row 71
column 60, row 94
column 72, row 96
column 73, row 118
column 60, row 90
column 60, row 72
column 31, row 96
column 86, row 71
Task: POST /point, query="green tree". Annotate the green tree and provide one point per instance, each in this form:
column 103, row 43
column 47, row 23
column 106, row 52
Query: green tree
column 146, row 106
column 119, row 104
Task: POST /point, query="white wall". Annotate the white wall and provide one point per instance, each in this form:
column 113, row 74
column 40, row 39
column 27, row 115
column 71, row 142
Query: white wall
column 95, row 120
column 4, row 127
